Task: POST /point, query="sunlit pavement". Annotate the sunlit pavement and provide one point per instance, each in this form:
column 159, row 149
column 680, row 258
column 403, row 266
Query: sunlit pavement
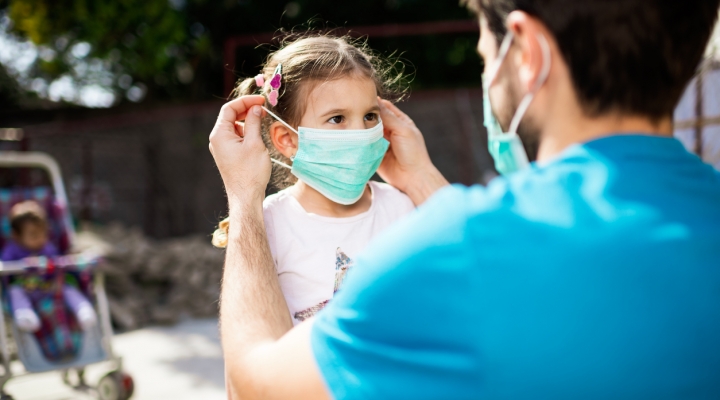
column 179, row 362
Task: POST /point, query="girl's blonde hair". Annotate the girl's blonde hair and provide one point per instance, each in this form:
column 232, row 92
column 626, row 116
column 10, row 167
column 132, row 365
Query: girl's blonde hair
column 307, row 61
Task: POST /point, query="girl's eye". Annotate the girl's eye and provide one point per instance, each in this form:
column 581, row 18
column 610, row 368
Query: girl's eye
column 371, row 117
column 338, row 119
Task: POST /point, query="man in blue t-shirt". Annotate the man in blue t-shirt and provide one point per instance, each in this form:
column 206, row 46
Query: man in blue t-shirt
column 592, row 273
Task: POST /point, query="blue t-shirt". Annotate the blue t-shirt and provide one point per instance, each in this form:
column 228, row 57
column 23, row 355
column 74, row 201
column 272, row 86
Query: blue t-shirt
column 596, row 276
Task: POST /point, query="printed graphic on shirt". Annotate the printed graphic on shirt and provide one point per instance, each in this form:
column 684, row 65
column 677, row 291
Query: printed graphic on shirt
column 342, row 264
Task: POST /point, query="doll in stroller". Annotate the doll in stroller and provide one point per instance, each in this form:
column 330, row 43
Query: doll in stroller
column 33, row 301
column 53, row 301
column 29, row 228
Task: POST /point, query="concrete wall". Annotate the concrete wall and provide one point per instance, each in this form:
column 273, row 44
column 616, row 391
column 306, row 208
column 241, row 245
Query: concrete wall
column 152, row 168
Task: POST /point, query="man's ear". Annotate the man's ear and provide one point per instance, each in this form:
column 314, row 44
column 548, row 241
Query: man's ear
column 284, row 140
column 529, row 59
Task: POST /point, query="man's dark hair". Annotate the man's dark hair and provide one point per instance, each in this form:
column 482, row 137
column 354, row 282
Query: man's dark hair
column 632, row 56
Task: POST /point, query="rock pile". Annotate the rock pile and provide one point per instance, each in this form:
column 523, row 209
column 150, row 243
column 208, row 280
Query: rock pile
column 155, row 282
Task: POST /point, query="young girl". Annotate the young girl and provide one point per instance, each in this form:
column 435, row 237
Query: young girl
column 325, row 136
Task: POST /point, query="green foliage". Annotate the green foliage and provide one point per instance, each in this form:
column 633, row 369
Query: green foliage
column 144, row 39
column 174, row 47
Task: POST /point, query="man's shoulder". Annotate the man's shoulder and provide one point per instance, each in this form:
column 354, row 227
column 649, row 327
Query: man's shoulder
column 443, row 213
column 436, row 226
column 463, row 219
column 456, row 207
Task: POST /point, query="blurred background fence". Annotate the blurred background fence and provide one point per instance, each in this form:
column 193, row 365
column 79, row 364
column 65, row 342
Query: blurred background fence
column 151, row 167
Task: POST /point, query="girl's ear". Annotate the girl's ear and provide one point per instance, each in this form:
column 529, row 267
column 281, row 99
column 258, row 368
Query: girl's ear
column 284, row 140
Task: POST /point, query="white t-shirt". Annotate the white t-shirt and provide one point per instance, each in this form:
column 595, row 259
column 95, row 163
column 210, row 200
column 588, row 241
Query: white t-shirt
column 312, row 253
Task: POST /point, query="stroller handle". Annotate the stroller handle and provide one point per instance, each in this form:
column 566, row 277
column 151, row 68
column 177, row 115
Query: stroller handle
column 81, row 261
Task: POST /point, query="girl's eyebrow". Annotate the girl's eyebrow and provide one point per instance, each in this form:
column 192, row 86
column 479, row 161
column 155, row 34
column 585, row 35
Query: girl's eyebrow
column 343, row 111
column 334, row 111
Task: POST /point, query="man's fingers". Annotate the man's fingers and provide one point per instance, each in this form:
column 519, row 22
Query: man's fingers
column 390, row 119
column 394, row 121
column 385, row 111
column 252, row 126
column 236, row 109
column 240, row 129
column 394, row 110
column 231, row 113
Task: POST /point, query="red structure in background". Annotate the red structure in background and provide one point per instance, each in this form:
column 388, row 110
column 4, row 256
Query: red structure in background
column 389, row 30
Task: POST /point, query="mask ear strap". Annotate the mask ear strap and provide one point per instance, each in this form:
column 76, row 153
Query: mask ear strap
column 502, row 53
column 544, row 73
column 280, row 163
column 279, row 119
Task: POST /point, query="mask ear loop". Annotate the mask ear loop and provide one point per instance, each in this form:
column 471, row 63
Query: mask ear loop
column 502, row 52
column 279, row 119
column 544, row 73
column 282, row 164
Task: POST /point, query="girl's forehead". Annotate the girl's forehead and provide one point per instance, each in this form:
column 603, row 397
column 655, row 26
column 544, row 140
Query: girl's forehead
column 351, row 93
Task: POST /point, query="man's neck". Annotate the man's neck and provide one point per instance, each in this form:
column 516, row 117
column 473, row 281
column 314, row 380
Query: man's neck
column 562, row 132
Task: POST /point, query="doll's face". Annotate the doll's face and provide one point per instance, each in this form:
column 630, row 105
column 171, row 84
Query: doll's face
column 33, row 236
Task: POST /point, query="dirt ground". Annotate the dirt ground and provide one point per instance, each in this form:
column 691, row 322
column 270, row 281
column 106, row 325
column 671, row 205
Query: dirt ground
column 179, row 362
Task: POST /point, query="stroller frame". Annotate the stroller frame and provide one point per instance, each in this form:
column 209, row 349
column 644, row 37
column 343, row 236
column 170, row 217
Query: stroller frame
column 10, row 159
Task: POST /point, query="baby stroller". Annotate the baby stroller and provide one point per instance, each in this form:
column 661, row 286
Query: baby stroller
column 60, row 344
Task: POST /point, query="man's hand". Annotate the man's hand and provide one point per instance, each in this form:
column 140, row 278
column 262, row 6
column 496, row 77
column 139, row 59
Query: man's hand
column 239, row 152
column 407, row 165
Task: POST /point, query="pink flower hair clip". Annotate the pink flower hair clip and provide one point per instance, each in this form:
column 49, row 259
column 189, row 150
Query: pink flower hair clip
column 275, row 84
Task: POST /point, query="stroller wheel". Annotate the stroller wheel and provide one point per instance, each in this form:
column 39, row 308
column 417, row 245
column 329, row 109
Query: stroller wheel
column 116, row 385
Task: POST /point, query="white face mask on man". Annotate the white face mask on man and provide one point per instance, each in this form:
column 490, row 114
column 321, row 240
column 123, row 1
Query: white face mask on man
column 506, row 148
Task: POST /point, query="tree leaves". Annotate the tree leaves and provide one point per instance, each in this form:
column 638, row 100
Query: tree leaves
column 131, row 36
column 171, row 49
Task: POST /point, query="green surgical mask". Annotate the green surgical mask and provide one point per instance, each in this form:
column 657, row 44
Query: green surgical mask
column 337, row 163
column 506, row 148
